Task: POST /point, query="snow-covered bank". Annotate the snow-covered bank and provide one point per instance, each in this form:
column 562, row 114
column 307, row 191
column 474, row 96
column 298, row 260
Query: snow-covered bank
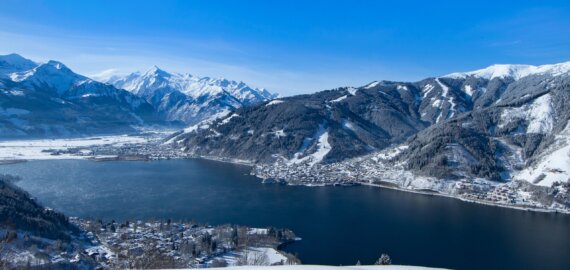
column 82, row 147
column 487, row 203
column 43, row 148
column 375, row 170
column 326, row 267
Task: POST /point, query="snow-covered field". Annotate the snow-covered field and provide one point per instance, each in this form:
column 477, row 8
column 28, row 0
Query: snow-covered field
column 35, row 149
column 552, row 165
column 323, row 148
column 264, row 255
column 324, row 267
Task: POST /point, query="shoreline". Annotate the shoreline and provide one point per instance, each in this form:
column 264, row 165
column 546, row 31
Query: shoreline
column 435, row 193
column 250, row 164
column 223, row 160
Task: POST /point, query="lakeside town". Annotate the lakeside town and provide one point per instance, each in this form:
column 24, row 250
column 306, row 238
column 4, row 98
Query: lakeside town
column 377, row 170
column 374, row 170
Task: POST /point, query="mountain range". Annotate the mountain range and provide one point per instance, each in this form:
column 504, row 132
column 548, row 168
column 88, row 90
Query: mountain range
column 187, row 98
column 500, row 123
column 50, row 100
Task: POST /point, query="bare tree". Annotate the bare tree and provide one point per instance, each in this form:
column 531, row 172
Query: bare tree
column 253, row 257
column 383, row 260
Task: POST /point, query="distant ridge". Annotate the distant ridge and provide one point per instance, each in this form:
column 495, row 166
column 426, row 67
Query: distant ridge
column 188, row 98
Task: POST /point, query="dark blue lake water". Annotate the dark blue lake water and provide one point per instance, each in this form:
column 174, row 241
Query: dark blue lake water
column 339, row 225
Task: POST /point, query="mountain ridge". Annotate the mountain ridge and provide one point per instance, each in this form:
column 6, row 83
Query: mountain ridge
column 457, row 127
column 50, row 100
column 188, row 98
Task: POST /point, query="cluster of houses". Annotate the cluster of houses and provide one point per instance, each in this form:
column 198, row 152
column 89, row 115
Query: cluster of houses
column 373, row 171
column 166, row 244
column 131, row 151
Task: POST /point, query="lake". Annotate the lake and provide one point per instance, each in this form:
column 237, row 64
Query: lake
column 339, row 225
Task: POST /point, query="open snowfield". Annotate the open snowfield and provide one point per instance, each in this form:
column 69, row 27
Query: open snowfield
column 323, row 267
column 266, row 254
column 32, row 149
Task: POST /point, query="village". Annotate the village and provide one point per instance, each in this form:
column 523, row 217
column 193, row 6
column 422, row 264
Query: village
column 374, row 172
column 166, row 244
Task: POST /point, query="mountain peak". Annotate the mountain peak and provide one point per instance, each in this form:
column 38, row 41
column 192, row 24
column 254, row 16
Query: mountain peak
column 15, row 63
column 155, row 70
column 13, row 58
column 57, row 65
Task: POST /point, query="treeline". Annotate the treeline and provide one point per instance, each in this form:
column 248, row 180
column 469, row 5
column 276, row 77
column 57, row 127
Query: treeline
column 18, row 211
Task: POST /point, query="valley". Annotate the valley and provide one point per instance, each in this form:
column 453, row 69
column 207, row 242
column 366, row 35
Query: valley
column 494, row 137
column 293, row 135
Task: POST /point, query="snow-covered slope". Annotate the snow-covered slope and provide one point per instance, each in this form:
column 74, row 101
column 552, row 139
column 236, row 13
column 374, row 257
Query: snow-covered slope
column 14, row 63
column 188, row 98
column 551, row 165
column 514, row 71
column 52, row 75
column 49, row 99
column 501, row 123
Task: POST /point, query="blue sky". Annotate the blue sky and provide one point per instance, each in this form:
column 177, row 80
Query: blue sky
column 288, row 46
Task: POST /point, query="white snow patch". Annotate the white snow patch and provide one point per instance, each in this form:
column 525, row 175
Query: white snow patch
column 273, row 102
column 444, row 95
column 204, row 124
column 515, row 72
column 539, row 115
column 468, row 90
column 351, row 90
column 257, row 231
column 402, row 87
column 348, row 125
column 436, row 103
column 273, row 255
column 553, row 164
column 339, row 99
column 193, row 128
column 427, row 89
column 371, row 85
column 323, row 148
column 228, row 119
column 389, row 153
column 32, row 149
column 280, row 133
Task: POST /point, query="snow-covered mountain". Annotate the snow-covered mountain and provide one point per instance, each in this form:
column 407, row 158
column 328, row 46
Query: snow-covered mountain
column 501, row 123
column 188, row 98
column 14, row 63
column 49, row 99
column 514, row 71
